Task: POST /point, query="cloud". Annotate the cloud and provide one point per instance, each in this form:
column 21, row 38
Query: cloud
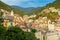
column 27, row 3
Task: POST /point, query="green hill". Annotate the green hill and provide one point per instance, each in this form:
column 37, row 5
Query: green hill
column 55, row 4
column 9, row 8
column 51, row 15
column 4, row 6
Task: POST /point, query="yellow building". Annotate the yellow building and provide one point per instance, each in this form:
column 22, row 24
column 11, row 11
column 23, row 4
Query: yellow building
column 26, row 18
column 52, row 9
column 6, row 23
column 17, row 20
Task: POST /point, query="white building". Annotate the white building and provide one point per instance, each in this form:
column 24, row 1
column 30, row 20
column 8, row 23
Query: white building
column 58, row 10
column 12, row 13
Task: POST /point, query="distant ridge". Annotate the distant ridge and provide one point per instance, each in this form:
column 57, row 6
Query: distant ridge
column 9, row 8
column 29, row 10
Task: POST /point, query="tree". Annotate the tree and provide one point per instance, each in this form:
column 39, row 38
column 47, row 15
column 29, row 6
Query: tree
column 2, row 32
column 1, row 19
column 15, row 33
column 33, row 30
column 29, row 36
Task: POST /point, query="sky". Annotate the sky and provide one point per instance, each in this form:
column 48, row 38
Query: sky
column 28, row 3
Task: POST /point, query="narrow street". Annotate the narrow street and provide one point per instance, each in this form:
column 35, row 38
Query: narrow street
column 50, row 36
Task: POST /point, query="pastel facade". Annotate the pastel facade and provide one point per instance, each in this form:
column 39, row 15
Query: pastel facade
column 26, row 18
column 52, row 9
column 46, row 11
column 6, row 23
column 58, row 10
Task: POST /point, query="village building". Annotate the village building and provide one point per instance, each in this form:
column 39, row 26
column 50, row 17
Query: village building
column 58, row 11
column 46, row 11
column 53, row 9
column 26, row 18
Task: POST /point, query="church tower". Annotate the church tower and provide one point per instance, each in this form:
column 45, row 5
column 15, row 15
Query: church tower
column 12, row 13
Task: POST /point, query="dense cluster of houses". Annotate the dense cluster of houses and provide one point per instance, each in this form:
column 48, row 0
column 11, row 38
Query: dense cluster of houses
column 11, row 20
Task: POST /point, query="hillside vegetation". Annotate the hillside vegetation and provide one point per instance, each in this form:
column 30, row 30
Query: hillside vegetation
column 9, row 8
